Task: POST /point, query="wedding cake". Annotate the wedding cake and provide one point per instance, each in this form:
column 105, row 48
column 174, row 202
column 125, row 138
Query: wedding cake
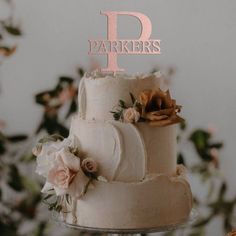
column 118, row 168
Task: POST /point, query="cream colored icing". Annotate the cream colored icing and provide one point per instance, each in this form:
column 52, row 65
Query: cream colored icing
column 99, row 95
column 157, row 201
column 118, row 148
column 144, row 187
column 127, row 152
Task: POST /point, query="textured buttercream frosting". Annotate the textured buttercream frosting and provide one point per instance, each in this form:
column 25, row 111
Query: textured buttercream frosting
column 157, row 201
column 99, row 94
column 142, row 186
column 127, row 152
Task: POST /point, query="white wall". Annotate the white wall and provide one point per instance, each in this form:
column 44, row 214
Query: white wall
column 198, row 37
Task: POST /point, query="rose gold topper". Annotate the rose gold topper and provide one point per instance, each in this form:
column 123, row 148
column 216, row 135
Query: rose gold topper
column 112, row 47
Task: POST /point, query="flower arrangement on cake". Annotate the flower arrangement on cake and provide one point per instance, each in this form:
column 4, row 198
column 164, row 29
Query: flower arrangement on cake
column 153, row 106
column 67, row 170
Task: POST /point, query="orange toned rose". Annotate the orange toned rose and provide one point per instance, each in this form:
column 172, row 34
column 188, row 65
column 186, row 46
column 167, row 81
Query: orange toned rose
column 232, row 233
column 158, row 107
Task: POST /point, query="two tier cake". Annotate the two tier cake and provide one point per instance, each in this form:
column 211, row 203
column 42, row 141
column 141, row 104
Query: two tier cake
column 118, row 168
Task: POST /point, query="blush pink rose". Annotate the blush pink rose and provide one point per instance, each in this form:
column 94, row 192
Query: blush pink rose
column 60, row 175
column 131, row 115
column 89, row 165
column 66, row 175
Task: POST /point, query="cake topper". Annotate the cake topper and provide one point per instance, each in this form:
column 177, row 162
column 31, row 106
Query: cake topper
column 112, row 46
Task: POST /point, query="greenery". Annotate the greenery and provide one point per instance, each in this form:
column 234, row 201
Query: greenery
column 20, row 197
column 206, row 167
column 8, row 29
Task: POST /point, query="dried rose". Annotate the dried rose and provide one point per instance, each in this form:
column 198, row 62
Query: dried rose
column 232, row 233
column 131, row 115
column 159, row 108
column 89, row 165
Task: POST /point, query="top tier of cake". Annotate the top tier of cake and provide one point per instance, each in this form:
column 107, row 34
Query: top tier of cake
column 99, row 94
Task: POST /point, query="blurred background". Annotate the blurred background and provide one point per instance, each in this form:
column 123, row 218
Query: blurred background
column 44, row 53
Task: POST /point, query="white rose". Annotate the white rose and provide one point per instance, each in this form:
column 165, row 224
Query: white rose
column 131, row 115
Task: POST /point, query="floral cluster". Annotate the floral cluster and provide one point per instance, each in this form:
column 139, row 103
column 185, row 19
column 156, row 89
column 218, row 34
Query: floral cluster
column 67, row 171
column 154, row 106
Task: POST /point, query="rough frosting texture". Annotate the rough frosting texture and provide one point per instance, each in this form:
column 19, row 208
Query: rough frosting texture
column 158, row 201
column 127, row 152
column 99, row 95
column 144, row 188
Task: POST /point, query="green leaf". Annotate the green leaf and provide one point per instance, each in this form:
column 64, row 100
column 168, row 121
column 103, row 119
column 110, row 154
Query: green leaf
column 180, row 159
column 183, row 125
column 66, row 79
column 30, row 185
column 122, row 104
column 223, row 189
column 68, row 199
column 29, row 157
column 17, row 138
column 2, row 148
column 14, row 178
column 58, row 208
column 200, row 138
column 51, row 138
column 203, row 221
column 81, row 71
column 13, row 30
column 132, row 98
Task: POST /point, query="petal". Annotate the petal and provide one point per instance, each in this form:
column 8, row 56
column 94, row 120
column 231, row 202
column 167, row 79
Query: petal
column 47, row 186
column 70, row 160
column 43, row 166
column 77, row 187
column 74, row 141
column 60, row 191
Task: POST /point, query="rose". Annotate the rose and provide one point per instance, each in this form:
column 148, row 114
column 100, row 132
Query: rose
column 89, row 165
column 159, row 108
column 61, row 169
column 62, row 174
column 131, row 115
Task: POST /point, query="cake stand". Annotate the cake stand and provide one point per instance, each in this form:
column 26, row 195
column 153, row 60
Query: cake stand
column 115, row 232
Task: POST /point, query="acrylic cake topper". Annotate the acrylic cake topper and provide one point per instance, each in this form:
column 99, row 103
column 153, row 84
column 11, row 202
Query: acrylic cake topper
column 112, row 47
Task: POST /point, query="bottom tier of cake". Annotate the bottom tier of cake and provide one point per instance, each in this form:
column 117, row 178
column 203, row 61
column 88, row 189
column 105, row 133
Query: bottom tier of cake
column 158, row 200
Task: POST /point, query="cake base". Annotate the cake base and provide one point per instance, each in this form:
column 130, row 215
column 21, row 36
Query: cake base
column 187, row 223
column 157, row 201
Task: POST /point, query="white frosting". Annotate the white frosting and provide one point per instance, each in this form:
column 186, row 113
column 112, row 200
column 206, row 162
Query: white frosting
column 127, row 152
column 99, row 95
column 118, row 148
column 145, row 188
column 158, row 201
